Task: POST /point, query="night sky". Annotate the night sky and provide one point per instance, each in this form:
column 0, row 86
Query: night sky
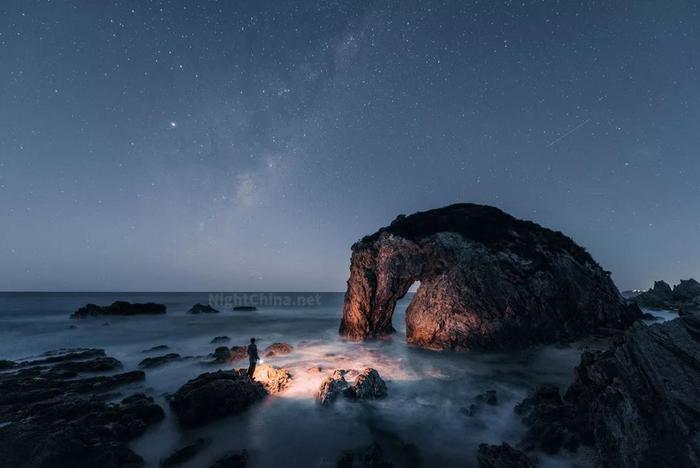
column 245, row 145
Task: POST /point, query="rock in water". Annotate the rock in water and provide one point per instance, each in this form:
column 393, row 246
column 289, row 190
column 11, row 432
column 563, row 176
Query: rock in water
column 637, row 402
column 331, row 387
column 158, row 361
column 502, row 456
column 487, row 280
column 237, row 459
column 368, row 386
column 273, row 379
column 185, row 453
column 119, row 308
column 278, row 349
column 214, row 395
column 202, row 309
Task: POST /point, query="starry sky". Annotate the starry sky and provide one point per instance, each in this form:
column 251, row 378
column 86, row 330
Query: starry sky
column 245, row 145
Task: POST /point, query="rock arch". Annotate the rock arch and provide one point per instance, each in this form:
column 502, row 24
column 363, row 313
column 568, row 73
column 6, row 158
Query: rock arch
column 488, row 280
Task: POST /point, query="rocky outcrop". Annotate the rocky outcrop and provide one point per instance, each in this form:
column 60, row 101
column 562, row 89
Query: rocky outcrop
column 119, row 308
column 487, row 280
column 502, row 456
column 278, row 349
column 226, row 355
column 368, row 385
column 50, row 418
column 332, row 387
column 202, row 309
column 636, row 402
column 274, row 379
column 684, row 296
column 157, row 361
column 214, row 395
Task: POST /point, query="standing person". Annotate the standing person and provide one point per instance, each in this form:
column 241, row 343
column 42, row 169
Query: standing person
column 252, row 357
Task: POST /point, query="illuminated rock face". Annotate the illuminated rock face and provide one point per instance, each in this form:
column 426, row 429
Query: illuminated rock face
column 487, row 280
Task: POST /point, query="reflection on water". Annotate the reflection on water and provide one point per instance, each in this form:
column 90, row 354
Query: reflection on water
column 427, row 389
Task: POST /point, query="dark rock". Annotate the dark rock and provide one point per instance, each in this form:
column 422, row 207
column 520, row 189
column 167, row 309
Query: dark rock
column 368, row 386
column 489, row 397
column 278, row 349
column 636, row 402
column 156, row 348
column 685, row 295
column 202, row 309
column 53, row 422
column 220, row 339
column 157, row 361
column 488, row 280
column 371, row 456
column 238, row 459
column 99, row 364
column 5, row 364
column 119, row 308
column 214, row 395
column 185, row 453
column 226, row 355
column 331, row 387
column 245, row 308
column 502, row 456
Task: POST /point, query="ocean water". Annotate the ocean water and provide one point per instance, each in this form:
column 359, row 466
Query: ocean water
column 426, row 389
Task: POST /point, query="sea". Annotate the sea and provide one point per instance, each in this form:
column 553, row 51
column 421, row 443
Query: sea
column 423, row 421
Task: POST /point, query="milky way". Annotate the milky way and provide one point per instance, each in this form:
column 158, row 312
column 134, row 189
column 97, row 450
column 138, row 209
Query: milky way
column 221, row 145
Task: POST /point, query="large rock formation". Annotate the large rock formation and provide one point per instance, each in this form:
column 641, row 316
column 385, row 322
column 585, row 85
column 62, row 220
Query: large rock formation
column 684, row 296
column 487, row 280
column 636, row 402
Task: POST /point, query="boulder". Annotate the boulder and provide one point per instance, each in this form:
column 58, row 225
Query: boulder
column 278, row 349
column 331, row 387
column 368, row 386
column 273, row 379
column 487, row 280
column 157, row 361
column 121, row 308
column 202, row 309
column 185, row 453
column 226, row 355
column 98, row 364
column 502, row 456
column 636, row 402
column 214, row 395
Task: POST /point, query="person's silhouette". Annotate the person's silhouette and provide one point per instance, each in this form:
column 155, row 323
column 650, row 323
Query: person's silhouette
column 252, row 357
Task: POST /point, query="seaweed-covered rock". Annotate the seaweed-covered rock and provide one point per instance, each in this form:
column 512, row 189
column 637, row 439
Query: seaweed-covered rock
column 487, row 280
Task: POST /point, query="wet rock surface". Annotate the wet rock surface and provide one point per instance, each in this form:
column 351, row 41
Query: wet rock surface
column 487, row 280
column 122, row 308
column 502, row 456
column 368, row 385
column 185, row 453
column 202, row 309
column 53, row 419
column 636, row 402
column 214, row 395
column 278, row 349
column 226, row 355
column 274, row 379
column 157, row 361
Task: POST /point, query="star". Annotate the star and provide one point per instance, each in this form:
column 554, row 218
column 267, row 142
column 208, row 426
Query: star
column 173, row 124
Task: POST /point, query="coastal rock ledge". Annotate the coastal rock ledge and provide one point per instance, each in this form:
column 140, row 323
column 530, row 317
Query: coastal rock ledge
column 487, row 280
